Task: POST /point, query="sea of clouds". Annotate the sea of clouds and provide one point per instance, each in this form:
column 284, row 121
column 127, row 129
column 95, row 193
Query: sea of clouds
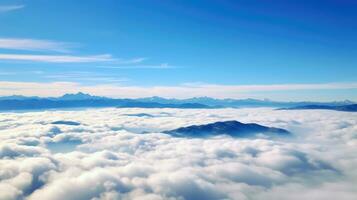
column 121, row 154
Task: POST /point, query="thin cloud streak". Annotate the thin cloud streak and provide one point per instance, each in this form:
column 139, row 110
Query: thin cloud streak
column 35, row 45
column 159, row 66
column 180, row 91
column 132, row 61
column 56, row 46
column 8, row 8
column 57, row 58
column 86, row 77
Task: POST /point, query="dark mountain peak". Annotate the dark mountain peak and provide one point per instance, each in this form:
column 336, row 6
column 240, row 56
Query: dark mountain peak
column 232, row 128
column 63, row 122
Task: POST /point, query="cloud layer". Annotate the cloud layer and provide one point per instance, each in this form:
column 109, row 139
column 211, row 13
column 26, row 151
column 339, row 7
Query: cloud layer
column 118, row 154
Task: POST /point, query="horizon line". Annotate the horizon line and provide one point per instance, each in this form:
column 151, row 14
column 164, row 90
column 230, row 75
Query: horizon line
column 169, row 98
column 318, row 92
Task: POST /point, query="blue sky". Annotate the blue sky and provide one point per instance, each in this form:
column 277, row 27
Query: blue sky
column 286, row 50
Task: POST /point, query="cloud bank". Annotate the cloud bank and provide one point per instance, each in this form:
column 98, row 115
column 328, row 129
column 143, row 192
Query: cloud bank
column 107, row 156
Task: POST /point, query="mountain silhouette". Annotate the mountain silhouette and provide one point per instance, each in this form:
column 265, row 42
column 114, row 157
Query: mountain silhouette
column 81, row 100
column 232, row 128
column 346, row 108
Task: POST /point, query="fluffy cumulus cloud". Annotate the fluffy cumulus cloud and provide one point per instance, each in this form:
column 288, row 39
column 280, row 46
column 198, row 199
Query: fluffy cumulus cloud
column 122, row 154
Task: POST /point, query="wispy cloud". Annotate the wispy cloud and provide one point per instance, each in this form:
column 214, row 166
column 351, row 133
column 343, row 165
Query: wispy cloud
column 35, row 45
column 48, row 46
column 57, row 58
column 8, row 8
column 132, row 61
column 274, row 87
column 83, row 76
column 159, row 66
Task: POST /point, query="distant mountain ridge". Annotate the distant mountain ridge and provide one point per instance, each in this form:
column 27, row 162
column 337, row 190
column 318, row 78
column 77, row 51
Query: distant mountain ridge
column 346, row 108
column 75, row 96
column 232, row 128
column 78, row 96
column 239, row 102
column 78, row 100
column 81, row 100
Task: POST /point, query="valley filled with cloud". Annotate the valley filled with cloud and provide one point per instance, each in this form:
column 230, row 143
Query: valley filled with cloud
column 122, row 153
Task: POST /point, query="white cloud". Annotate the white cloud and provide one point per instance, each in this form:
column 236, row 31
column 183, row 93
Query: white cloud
column 8, row 8
column 57, row 58
column 56, row 46
column 132, row 61
column 180, row 91
column 159, row 66
column 86, row 76
column 113, row 161
column 35, row 45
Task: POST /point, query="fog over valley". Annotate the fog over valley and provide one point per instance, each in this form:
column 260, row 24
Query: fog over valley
column 122, row 153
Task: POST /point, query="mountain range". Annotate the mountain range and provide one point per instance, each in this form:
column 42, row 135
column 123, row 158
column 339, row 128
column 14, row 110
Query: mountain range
column 346, row 108
column 236, row 103
column 79, row 100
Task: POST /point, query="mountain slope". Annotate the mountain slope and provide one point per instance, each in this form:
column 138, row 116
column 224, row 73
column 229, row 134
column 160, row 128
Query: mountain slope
column 232, row 128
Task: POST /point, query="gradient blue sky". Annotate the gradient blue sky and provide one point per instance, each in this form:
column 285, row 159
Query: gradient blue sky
column 281, row 49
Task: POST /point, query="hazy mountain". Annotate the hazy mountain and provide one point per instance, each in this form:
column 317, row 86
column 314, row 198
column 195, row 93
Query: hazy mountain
column 238, row 102
column 232, row 128
column 80, row 99
column 346, row 108
column 77, row 96
column 17, row 97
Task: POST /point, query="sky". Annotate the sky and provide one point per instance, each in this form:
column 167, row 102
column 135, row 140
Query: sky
column 281, row 50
